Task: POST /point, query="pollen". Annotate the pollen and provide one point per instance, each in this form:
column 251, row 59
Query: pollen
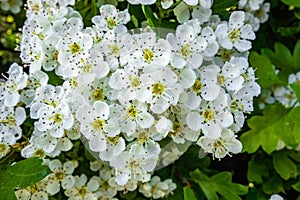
column 185, row 50
column 148, row 55
column 98, row 124
column 132, row 112
column 234, row 35
column 158, row 88
column 98, row 95
column 208, row 115
column 197, row 86
column 75, row 48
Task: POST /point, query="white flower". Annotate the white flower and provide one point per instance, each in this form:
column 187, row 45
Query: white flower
column 156, row 188
column 73, row 48
column 10, row 88
column 136, row 163
column 126, row 82
column 33, row 83
column 285, row 96
column 294, row 78
column 32, row 53
column 149, row 51
column 187, row 47
column 82, row 189
column 276, row 197
column 61, row 176
column 221, row 146
column 115, row 48
column 159, row 88
column 131, row 116
column 230, row 76
column 51, row 110
column 169, row 157
column 34, row 192
column 111, row 19
column 212, row 118
column 262, row 13
column 235, row 33
column 93, row 121
column 10, row 121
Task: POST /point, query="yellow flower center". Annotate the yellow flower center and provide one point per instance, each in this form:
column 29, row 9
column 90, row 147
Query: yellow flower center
column 135, row 82
column 57, row 118
column 208, row 115
column 158, row 88
column 185, row 50
column 234, row 35
column 59, row 175
column 197, row 87
column 98, row 124
column 75, row 48
column 114, row 49
column 132, row 112
column 98, row 95
column 111, row 23
column 148, row 55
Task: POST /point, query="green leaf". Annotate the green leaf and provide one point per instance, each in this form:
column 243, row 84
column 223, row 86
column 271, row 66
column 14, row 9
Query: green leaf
column 296, row 186
column 273, row 185
column 265, row 71
column 54, row 79
column 220, row 7
column 257, row 169
column 219, row 183
column 283, row 59
column 189, row 193
column 296, row 54
column 151, row 19
column 276, row 123
column 296, row 89
column 295, row 3
column 283, row 165
column 23, row 174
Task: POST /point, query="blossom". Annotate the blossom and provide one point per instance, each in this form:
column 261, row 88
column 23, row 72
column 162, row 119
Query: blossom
column 110, row 19
column 159, row 88
column 10, row 88
column 61, row 176
column 10, row 121
column 221, row 146
column 132, row 116
column 156, row 188
column 187, row 47
column 235, row 33
column 82, row 189
column 34, row 192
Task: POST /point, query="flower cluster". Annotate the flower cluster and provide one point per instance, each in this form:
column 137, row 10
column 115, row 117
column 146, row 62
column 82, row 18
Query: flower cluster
column 281, row 94
column 123, row 92
column 156, row 188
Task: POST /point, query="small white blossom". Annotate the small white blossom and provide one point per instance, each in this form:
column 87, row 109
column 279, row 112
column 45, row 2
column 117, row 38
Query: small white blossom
column 235, row 33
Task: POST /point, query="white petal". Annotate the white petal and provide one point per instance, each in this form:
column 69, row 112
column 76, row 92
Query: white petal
column 68, row 182
column 242, row 45
column 210, row 92
column 101, row 109
column 97, row 143
column 145, row 120
column 194, row 121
